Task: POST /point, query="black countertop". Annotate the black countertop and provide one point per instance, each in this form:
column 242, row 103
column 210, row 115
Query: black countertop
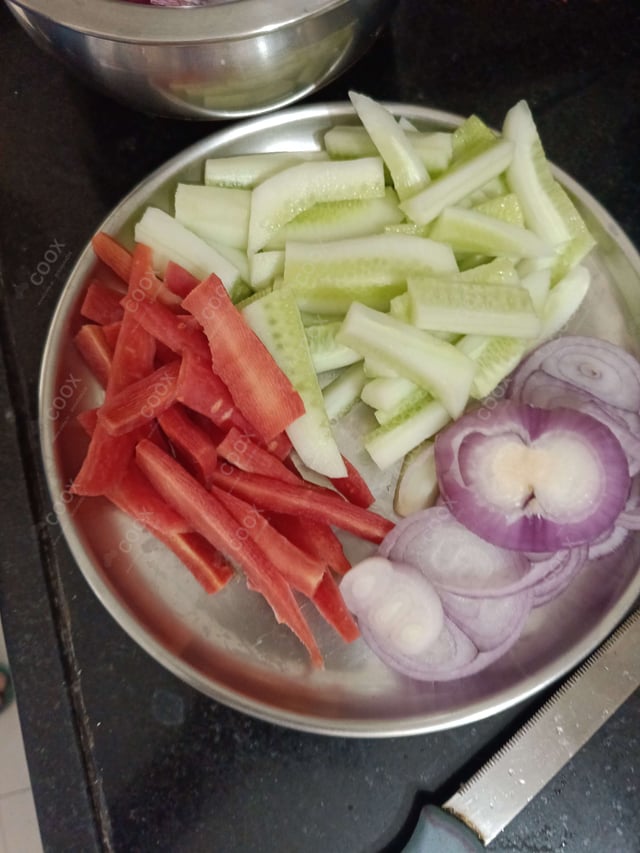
column 124, row 756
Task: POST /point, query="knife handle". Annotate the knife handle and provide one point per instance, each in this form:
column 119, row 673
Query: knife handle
column 437, row 831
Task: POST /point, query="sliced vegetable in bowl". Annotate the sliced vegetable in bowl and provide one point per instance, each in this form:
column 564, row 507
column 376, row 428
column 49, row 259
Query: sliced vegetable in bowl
column 232, row 648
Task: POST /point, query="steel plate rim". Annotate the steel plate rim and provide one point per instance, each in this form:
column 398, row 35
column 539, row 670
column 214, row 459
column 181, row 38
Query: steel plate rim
column 354, row 726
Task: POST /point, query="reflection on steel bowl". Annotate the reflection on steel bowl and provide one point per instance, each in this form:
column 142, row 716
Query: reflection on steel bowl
column 220, row 60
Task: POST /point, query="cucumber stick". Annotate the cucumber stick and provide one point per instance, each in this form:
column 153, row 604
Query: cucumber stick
column 171, row 241
column 473, row 231
column 458, row 181
column 264, row 267
column 375, row 259
column 417, row 486
column 217, row 214
column 537, row 284
column 506, row 207
column 343, row 392
column 496, row 357
column 276, row 321
column 563, row 301
column 434, row 365
column 547, row 209
column 346, row 141
column 497, row 271
column 285, row 195
column 472, row 308
column 471, row 137
column 335, row 220
column 408, row 172
column 335, row 297
column 326, row 352
column 385, row 393
column 245, row 171
column 393, row 440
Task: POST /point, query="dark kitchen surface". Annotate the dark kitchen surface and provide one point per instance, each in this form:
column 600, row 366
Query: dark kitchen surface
column 123, row 756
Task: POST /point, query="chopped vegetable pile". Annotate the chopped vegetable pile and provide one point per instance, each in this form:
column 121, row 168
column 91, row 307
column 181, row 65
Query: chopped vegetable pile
column 411, row 274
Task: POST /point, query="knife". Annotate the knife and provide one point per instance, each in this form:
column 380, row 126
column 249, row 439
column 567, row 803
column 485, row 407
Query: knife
column 483, row 806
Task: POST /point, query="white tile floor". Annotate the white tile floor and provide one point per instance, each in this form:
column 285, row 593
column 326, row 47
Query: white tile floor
column 18, row 823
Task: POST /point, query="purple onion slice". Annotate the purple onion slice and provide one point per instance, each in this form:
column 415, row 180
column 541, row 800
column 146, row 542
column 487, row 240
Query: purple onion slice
column 532, row 479
column 453, row 656
column 557, row 580
column 454, row 558
column 604, row 370
column 548, row 392
column 488, row 622
column 401, row 609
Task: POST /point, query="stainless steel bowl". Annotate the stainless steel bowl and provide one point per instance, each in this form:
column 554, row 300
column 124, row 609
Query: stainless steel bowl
column 235, row 58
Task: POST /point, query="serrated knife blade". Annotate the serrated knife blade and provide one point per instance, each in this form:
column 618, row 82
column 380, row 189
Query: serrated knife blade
column 484, row 805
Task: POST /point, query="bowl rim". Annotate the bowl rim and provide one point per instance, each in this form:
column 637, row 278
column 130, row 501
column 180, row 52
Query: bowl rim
column 119, row 20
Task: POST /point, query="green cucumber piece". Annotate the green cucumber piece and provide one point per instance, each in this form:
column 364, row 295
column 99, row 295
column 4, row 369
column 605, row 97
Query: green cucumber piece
column 348, row 141
column 237, row 257
column 537, row 284
column 386, row 392
column 252, row 297
column 391, row 441
column 495, row 188
column 496, row 357
column 400, row 307
column 326, row 352
column 408, row 172
column 461, row 179
column 497, row 271
column 434, row 149
column 378, row 259
column 376, row 367
column 472, row 308
column 563, row 301
column 547, row 209
column 245, row 171
column 505, row 207
column 417, row 486
column 264, row 267
column 343, row 392
column 285, row 195
column 335, row 297
column 434, row 365
column 276, row 321
column 335, row 220
column 169, row 240
column 470, row 137
column 404, row 407
column 409, row 228
column 217, row 214
column 472, row 231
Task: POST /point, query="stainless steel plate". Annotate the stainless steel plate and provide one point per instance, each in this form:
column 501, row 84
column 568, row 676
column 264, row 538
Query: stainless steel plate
column 228, row 646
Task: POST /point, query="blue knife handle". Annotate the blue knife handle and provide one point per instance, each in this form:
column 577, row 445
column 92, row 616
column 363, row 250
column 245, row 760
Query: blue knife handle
column 439, row 832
